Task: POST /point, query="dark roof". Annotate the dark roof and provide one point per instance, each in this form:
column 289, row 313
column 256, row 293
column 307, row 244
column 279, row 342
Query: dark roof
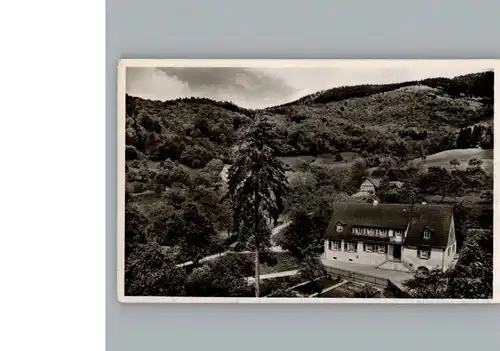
column 375, row 181
column 396, row 216
column 394, row 174
column 398, row 175
column 378, row 173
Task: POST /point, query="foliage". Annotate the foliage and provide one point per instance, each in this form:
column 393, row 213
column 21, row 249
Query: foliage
column 367, row 292
column 473, row 179
column 438, row 181
column 316, row 197
column 272, row 262
column 194, row 233
column 176, row 208
column 150, row 272
column 303, row 237
column 477, row 84
column 474, row 162
column 135, row 228
column 280, row 287
column 409, row 192
column 221, row 278
column 428, row 286
column 470, row 278
column 257, row 184
column 455, row 163
column 487, row 196
column 371, row 120
column 312, row 269
column 475, row 136
column 283, row 292
column 192, row 131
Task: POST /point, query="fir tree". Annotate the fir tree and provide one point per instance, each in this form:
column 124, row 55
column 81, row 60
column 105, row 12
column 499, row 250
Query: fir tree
column 257, row 183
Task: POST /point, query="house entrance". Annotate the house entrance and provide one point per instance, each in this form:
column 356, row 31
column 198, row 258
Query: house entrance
column 396, row 252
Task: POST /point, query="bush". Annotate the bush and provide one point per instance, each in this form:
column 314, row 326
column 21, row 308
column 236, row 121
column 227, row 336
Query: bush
column 367, row 292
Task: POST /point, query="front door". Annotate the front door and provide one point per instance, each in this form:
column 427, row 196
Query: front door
column 396, row 252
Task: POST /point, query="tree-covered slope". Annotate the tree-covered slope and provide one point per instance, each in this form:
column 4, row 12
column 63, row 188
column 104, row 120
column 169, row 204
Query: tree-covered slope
column 369, row 119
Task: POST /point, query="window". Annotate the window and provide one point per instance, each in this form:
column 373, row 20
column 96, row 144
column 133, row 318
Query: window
column 351, row 247
column 334, row 245
column 427, row 234
column 375, row 248
column 424, row 254
column 449, row 251
column 340, row 227
column 370, row 231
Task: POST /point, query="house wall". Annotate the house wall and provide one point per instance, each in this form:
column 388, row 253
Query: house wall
column 396, row 183
column 451, row 248
column 367, row 186
column 409, row 255
column 360, row 257
column 448, row 258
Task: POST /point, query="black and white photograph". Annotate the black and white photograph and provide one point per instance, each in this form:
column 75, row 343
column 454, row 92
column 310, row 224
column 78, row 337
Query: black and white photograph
column 305, row 181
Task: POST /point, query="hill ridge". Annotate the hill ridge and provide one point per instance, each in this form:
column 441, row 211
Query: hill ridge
column 372, row 120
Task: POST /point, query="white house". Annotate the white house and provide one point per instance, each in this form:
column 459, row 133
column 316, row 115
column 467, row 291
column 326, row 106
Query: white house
column 421, row 237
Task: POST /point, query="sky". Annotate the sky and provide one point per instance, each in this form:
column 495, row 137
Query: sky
column 264, row 87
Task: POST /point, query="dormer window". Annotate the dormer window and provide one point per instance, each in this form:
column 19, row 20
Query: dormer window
column 427, row 234
column 340, row 227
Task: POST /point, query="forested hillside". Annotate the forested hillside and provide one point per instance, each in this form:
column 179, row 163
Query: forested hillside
column 370, row 120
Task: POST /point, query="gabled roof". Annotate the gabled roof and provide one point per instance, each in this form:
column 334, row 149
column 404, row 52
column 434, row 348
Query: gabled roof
column 378, row 173
column 438, row 220
column 394, row 174
column 395, row 216
column 374, row 181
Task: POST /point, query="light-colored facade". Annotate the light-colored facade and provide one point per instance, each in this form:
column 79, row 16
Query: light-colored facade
column 368, row 186
column 435, row 257
column 377, row 245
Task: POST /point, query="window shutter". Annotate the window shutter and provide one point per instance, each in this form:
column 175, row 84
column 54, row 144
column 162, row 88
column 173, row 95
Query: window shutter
column 345, row 245
column 418, row 253
column 364, row 247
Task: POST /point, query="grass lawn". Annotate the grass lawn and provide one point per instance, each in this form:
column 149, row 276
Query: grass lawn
column 471, row 199
column 442, row 159
column 295, row 161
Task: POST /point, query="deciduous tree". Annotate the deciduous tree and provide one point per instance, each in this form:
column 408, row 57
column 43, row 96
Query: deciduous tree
column 455, row 163
column 150, row 272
